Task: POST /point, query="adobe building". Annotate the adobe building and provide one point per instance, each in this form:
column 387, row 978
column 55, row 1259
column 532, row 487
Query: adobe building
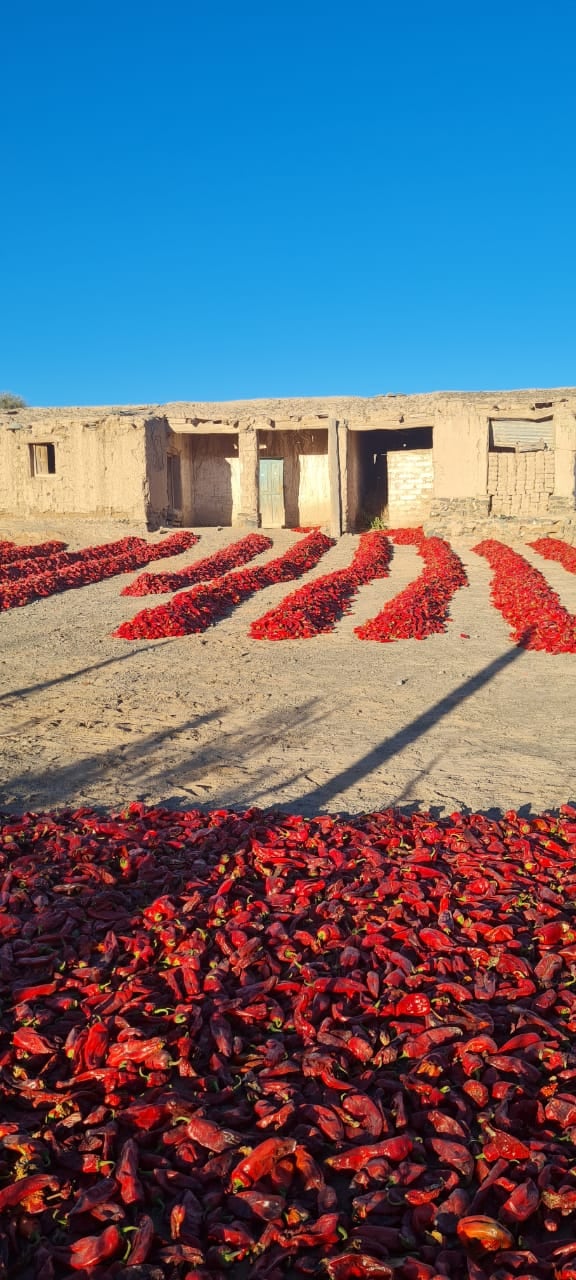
column 451, row 461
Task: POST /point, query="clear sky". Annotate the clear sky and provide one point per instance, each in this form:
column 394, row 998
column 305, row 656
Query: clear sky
column 218, row 199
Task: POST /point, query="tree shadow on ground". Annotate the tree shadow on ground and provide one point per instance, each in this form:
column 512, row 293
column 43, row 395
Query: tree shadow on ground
column 157, row 763
column 322, row 796
column 228, row 772
column 75, row 675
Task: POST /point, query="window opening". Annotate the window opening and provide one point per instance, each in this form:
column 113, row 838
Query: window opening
column 42, row 459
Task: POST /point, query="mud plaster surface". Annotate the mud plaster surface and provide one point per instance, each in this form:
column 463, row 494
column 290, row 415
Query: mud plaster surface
column 329, row 724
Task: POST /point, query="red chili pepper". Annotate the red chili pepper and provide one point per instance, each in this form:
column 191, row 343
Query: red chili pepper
column 326, row 1120
column 141, row 1242
column 522, row 1203
column 261, row 1161
column 25, row 1188
column 210, row 1135
column 95, row 1046
column 395, row 1149
column 134, row 1051
column 354, row 1266
column 416, row 1004
column 269, row 1208
column 90, row 1251
column 505, row 1146
column 126, row 1173
column 365, row 1112
column 482, row 1235
column 453, row 1154
column 29, row 1040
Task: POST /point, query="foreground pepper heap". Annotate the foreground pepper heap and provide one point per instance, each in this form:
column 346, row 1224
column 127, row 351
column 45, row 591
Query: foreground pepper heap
column 264, row 1047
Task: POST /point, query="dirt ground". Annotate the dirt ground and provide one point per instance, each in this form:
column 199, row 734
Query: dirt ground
column 329, row 724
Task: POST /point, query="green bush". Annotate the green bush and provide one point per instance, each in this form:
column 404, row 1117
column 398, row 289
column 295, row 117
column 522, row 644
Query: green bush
column 10, row 401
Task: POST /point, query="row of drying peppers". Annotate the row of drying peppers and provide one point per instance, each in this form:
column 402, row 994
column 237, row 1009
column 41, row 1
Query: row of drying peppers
column 248, row 1045
column 314, row 609
column 519, row 591
column 47, row 570
column 536, row 615
column 10, row 551
column 422, row 608
column 193, row 611
column 214, row 566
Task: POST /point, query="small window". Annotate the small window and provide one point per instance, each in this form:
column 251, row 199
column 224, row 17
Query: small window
column 42, row 459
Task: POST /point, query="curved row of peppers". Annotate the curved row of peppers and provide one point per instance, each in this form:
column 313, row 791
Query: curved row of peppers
column 316, row 607
column 558, row 550
column 422, row 608
column 10, row 551
column 76, row 569
column 194, row 611
column 249, row 1045
column 28, row 565
column 214, row 566
column 527, row 601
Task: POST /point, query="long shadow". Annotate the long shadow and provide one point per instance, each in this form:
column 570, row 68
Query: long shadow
column 151, row 764
column 74, row 675
column 63, row 784
column 378, row 756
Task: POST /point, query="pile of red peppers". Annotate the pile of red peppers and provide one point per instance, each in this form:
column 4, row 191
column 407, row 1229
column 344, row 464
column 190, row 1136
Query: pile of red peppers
column 193, row 611
column 249, row 1045
column 556, row 549
column 422, row 608
column 316, row 607
column 13, row 551
column 42, row 571
column 526, row 600
column 231, row 557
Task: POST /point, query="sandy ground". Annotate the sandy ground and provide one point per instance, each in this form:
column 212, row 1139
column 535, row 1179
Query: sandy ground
column 330, row 724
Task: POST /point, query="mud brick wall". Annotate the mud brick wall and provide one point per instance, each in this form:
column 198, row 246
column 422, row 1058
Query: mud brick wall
column 520, row 483
column 410, row 485
column 215, row 469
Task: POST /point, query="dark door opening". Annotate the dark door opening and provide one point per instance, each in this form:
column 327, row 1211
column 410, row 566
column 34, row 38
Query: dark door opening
column 174, row 477
column 373, row 450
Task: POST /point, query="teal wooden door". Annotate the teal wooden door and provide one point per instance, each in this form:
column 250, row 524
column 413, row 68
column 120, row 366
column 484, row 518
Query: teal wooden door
column 271, row 493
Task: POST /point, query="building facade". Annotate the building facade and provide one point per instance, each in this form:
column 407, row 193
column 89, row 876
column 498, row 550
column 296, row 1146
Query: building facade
column 337, row 462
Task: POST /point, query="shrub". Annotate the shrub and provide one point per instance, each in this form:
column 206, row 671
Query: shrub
column 10, row 401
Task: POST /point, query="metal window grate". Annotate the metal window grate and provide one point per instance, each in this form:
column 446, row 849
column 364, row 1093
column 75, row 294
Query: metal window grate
column 521, row 433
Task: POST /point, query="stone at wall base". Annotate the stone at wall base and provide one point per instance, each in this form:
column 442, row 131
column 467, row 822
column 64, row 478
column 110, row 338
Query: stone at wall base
column 244, row 521
column 464, row 508
column 558, row 506
column 505, row 528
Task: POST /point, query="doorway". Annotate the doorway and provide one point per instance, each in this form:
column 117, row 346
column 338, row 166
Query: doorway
column 174, row 477
column 271, row 477
column 387, row 465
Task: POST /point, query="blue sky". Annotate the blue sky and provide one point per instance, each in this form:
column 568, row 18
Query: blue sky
column 286, row 197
